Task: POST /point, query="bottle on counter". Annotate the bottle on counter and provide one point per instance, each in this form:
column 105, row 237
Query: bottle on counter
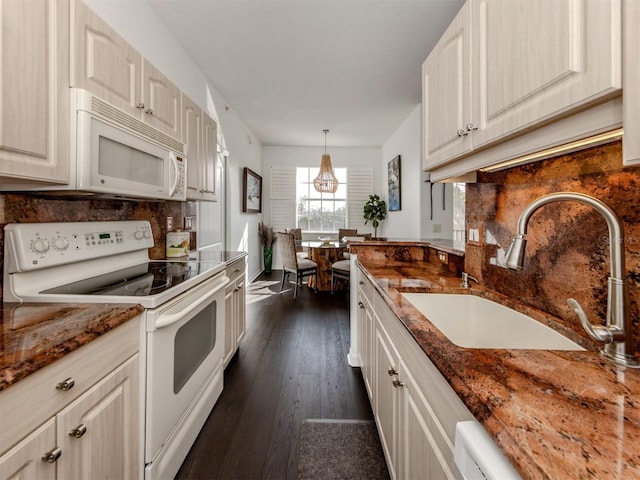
column 178, row 243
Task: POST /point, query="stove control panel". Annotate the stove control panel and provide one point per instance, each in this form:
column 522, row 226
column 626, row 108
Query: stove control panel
column 32, row 246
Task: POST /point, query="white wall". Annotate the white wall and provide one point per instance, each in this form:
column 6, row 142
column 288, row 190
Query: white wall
column 413, row 220
column 142, row 28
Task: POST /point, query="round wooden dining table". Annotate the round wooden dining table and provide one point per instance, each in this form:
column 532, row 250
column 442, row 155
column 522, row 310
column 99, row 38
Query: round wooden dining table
column 325, row 254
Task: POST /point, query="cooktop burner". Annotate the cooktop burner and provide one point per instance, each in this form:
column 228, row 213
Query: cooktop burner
column 149, row 278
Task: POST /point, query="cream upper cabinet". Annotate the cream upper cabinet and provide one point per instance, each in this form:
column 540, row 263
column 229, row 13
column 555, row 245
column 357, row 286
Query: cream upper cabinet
column 631, row 98
column 103, row 62
column 107, row 66
column 446, row 94
column 192, row 136
column 34, row 98
column 200, row 134
column 210, row 139
column 162, row 102
column 505, row 68
column 534, row 61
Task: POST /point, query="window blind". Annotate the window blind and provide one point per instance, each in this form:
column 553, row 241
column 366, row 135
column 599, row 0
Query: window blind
column 283, row 197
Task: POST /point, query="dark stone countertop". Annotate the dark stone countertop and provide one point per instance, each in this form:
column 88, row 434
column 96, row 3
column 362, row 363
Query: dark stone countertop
column 555, row 414
column 33, row 335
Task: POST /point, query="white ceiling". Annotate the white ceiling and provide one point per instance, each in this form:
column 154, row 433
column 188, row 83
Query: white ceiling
column 291, row 68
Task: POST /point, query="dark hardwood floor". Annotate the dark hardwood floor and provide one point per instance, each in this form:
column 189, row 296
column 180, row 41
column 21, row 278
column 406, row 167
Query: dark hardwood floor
column 291, row 365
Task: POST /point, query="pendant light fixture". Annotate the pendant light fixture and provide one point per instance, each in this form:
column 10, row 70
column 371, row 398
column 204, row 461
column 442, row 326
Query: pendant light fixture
column 326, row 181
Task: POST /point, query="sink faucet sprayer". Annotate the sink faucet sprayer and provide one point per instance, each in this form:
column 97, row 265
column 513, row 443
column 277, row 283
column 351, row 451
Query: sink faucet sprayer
column 616, row 333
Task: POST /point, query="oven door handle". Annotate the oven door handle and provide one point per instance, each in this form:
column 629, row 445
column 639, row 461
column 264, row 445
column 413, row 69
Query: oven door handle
column 166, row 320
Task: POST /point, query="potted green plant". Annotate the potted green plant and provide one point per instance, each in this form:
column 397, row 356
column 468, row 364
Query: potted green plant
column 267, row 238
column 375, row 210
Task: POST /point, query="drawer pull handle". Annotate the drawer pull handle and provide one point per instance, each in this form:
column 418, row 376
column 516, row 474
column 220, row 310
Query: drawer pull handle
column 140, row 105
column 66, row 384
column 398, row 384
column 392, row 371
column 149, row 111
column 462, row 133
column 79, row 431
column 52, row 455
column 237, row 269
column 361, row 282
column 361, row 305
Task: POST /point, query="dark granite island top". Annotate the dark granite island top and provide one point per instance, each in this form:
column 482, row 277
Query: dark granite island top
column 33, row 335
column 555, row 414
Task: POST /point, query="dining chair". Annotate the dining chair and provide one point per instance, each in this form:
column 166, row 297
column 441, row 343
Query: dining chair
column 297, row 234
column 291, row 263
column 346, row 232
column 340, row 269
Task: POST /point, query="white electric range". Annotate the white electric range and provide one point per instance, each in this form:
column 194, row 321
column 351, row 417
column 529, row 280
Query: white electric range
column 182, row 327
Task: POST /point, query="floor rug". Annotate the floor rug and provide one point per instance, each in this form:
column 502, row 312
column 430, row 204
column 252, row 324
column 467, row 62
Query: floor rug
column 340, row 449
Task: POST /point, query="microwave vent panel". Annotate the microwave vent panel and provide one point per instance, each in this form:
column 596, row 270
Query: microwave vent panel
column 120, row 118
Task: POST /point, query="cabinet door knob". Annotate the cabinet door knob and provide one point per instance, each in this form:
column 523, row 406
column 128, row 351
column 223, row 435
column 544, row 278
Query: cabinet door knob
column 66, row 385
column 361, row 282
column 361, row 305
column 392, row 371
column 237, row 270
column 149, row 111
column 140, row 105
column 52, row 455
column 471, row 126
column 397, row 384
column 462, row 133
column 79, row 431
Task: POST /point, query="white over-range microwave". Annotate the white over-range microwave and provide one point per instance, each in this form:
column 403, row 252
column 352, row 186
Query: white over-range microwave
column 116, row 155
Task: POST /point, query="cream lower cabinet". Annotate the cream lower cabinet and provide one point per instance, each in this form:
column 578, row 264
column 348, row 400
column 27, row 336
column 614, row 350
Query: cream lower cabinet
column 87, row 429
column 366, row 332
column 235, row 309
column 415, row 409
column 34, row 93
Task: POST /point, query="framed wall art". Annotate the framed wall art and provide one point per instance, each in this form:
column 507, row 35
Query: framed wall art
column 393, row 171
column 251, row 191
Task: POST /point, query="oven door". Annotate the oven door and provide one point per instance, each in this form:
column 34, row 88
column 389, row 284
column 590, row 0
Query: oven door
column 185, row 347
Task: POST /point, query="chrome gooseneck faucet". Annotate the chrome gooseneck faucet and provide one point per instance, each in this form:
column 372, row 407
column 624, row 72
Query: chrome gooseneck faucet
column 616, row 334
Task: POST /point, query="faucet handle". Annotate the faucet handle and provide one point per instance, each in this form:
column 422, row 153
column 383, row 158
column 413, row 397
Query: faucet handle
column 465, row 280
column 600, row 333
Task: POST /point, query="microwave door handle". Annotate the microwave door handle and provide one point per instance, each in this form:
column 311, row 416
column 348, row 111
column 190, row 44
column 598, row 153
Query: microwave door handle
column 166, row 320
column 176, row 175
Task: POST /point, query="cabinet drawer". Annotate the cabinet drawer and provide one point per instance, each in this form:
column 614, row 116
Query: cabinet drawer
column 365, row 286
column 235, row 269
column 35, row 399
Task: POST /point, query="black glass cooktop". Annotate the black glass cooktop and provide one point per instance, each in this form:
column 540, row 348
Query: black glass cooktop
column 140, row 280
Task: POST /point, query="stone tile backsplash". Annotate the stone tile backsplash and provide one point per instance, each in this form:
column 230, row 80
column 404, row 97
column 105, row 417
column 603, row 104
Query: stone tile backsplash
column 19, row 208
column 567, row 253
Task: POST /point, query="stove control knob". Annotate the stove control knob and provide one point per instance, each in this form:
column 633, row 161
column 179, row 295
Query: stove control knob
column 138, row 235
column 147, row 234
column 61, row 244
column 40, row 245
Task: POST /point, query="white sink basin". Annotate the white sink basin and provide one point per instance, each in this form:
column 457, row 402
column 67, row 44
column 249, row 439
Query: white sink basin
column 474, row 322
